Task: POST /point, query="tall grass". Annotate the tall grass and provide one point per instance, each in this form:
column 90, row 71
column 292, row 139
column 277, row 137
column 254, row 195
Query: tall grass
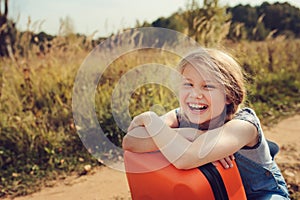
column 36, row 128
column 272, row 69
column 38, row 138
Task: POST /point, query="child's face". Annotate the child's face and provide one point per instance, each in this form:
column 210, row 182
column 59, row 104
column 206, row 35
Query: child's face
column 201, row 97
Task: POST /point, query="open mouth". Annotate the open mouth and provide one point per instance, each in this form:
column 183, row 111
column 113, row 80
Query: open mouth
column 197, row 107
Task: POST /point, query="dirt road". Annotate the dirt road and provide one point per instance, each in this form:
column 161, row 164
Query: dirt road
column 106, row 183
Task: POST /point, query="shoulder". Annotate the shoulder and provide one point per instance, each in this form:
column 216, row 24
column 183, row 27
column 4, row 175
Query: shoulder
column 247, row 118
column 247, row 114
column 240, row 126
column 244, row 111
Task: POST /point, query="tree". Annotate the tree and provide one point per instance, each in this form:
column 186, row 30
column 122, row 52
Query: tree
column 208, row 25
column 244, row 14
column 279, row 18
column 174, row 22
column 282, row 17
column 190, row 14
column 7, row 31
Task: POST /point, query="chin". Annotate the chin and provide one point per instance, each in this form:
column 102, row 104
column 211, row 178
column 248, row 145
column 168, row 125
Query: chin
column 197, row 120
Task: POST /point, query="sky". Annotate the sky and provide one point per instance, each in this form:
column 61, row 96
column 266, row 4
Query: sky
column 101, row 16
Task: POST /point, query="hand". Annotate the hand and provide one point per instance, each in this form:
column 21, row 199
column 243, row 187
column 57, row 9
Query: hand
column 143, row 119
column 225, row 162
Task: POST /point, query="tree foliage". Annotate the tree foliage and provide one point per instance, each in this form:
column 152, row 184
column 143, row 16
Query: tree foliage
column 207, row 21
column 260, row 21
column 208, row 24
column 7, row 31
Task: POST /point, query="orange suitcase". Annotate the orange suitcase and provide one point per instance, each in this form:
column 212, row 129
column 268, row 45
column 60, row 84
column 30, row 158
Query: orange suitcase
column 151, row 177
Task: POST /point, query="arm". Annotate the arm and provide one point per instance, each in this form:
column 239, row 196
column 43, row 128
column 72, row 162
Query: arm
column 210, row 146
column 218, row 143
column 138, row 140
column 170, row 119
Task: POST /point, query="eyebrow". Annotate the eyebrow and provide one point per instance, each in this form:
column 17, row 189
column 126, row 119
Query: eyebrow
column 186, row 79
column 205, row 81
column 209, row 81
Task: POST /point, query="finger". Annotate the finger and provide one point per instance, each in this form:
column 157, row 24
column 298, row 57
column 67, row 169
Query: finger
column 133, row 124
column 232, row 157
column 224, row 163
column 228, row 161
column 215, row 163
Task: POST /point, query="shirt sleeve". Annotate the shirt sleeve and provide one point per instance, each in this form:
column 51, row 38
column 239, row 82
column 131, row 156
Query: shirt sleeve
column 249, row 115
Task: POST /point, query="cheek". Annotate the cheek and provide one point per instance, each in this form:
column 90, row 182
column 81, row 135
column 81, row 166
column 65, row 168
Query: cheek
column 181, row 99
column 183, row 94
column 217, row 99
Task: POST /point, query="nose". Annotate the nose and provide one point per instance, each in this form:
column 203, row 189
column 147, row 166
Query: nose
column 197, row 93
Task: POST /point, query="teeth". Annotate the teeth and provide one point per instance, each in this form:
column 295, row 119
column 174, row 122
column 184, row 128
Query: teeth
column 196, row 106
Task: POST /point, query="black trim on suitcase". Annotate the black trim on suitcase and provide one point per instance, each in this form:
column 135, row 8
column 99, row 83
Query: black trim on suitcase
column 215, row 180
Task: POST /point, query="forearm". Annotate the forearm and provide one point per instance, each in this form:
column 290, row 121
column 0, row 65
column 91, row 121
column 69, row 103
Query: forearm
column 138, row 140
column 186, row 148
column 169, row 141
column 184, row 153
column 156, row 135
column 217, row 144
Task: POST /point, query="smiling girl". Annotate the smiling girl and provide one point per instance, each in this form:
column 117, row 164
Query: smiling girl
column 210, row 126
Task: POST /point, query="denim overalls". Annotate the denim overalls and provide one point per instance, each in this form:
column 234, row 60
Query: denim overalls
column 260, row 174
column 261, row 183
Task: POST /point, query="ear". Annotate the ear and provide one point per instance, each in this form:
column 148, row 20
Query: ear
column 228, row 101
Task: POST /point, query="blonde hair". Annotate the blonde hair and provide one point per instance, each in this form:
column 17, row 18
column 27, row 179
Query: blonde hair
column 225, row 69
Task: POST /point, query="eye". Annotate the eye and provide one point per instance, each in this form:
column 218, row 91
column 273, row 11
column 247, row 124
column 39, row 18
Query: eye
column 209, row 86
column 187, row 84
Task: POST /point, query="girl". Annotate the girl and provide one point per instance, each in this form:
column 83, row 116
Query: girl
column 209, row 126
